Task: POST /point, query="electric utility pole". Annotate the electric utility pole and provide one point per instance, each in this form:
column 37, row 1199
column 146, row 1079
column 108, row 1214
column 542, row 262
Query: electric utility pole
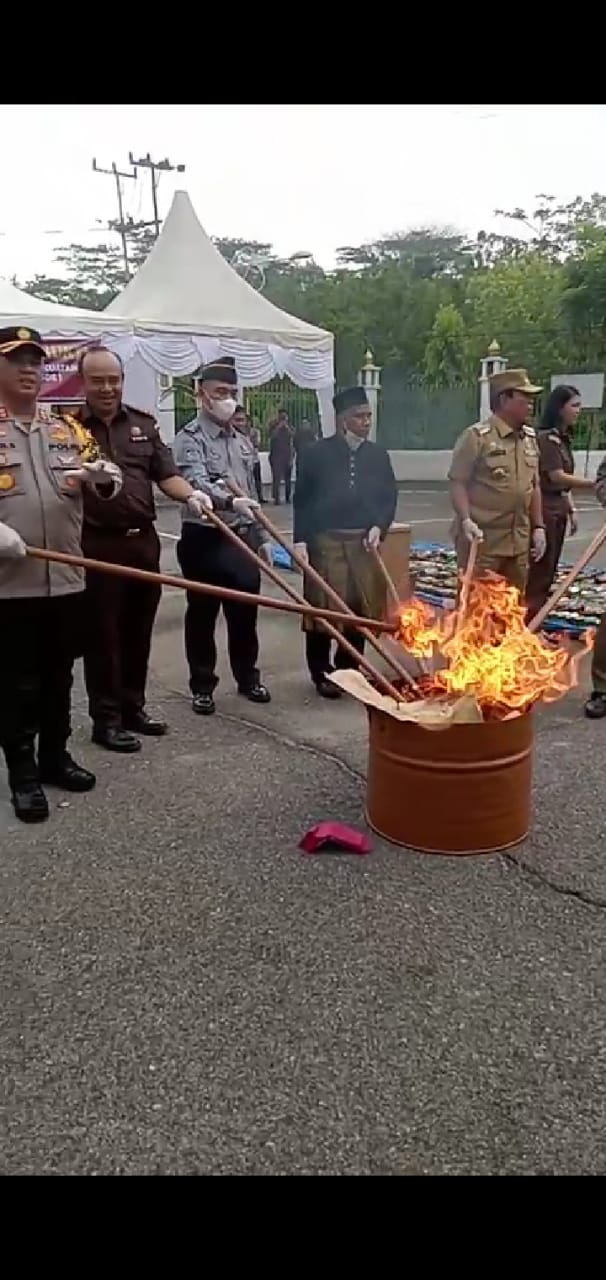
column 160, row 166
column 120, row 226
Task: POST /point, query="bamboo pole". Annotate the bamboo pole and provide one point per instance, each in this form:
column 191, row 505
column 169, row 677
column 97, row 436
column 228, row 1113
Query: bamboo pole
column 554, row 599
column 308, row 569
column 466, row 581
column 265, row 567
column 386, row 576
column 203, row 588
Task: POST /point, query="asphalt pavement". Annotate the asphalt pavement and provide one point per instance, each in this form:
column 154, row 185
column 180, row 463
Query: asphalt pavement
column 185, row 992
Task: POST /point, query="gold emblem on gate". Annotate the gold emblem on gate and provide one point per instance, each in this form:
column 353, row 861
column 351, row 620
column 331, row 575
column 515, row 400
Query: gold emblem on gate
column 6, row 482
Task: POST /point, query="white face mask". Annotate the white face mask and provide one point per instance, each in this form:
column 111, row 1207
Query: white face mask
column 223, row 410
column 353, row 441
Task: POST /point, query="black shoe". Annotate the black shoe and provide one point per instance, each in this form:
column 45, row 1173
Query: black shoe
column 140, row 722
column 114, row 739
column 29, row 801
column 327, row 689
column 595, row 707
column 63, row 772
column 256, row 693
column 203, row 704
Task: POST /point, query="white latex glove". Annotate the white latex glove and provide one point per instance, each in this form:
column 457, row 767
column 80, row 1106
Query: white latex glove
column 12, row 546
column 246, row 507
column 302, row 552
column 97, row 474
column 471, row 529
column 373, row 538
column 199, row 503
column 265, row 551
column 103, row 472
column 538, row 545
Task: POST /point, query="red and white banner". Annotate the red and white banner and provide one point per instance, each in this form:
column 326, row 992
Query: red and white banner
column 61, row 383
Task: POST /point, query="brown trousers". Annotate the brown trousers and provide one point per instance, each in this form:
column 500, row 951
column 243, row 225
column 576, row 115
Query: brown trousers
column 513, row 568
column 118, row 624
column 542, row 573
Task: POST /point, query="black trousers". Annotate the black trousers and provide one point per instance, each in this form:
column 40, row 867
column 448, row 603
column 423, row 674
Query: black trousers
column 257, row 480
column 119, row 620
column 317, row 652
column 281, row 470
column 542, row 572
column 206, row 555
column 40, row 638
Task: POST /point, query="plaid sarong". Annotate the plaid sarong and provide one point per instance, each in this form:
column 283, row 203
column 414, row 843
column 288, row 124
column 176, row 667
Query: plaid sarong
column 343, row 561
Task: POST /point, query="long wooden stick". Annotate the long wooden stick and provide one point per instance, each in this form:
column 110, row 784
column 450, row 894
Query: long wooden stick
column 466, row 581
column 308, row 569
column 264, row 567
column 554, row 599
column 186, row 584
column 392, row 590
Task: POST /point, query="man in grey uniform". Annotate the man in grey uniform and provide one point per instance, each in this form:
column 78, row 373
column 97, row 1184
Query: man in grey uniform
column 208, row 451
column 43, row 467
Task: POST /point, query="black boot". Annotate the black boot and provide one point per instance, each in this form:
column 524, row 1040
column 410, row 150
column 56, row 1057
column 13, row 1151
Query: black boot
column 58, row 769
column 29, row 801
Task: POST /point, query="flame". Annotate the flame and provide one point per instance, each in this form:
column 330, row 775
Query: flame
column 490, row 651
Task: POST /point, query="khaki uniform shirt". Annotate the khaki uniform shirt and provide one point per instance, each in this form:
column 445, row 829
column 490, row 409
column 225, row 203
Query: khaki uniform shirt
column 41, row 502
column 499, row 467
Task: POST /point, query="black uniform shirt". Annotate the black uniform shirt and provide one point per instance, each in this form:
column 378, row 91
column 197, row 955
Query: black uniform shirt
column 338, row 488
column 133, row 441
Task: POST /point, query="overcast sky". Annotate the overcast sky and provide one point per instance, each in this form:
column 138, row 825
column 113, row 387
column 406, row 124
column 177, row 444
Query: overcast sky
column 303, row 177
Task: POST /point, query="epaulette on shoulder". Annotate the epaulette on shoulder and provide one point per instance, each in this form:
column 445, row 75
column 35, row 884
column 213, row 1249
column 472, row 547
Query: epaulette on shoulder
column 555, row 439
column 529, row 431
column 481, row 428
column 141, row 413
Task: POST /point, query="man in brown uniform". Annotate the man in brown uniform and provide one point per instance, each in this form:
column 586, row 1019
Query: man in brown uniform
column 44, row 467
column 595, row 707
column 120, row 614
column 494, row 483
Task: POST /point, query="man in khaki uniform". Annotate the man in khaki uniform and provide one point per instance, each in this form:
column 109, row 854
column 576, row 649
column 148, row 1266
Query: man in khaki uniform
column 44, row 464
column 494, row 483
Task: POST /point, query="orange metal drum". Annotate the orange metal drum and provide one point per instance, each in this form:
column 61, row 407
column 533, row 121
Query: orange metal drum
column 466, row 789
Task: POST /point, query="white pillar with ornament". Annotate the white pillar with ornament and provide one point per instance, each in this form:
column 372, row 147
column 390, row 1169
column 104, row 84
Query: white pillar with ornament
column 369, row 377
column 493, row 362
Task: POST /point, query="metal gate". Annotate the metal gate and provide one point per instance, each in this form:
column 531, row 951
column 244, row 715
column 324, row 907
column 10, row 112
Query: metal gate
column 262, row 404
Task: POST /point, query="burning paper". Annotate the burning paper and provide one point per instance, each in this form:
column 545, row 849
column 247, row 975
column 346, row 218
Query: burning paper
column 491, row 654
column 433, row 713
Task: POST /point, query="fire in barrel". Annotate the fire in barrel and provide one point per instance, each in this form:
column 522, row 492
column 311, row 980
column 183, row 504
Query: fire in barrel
column 451, row 773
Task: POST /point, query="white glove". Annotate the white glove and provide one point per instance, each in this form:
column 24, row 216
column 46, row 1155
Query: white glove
column 97, row 474
column 12, row 546
column 538, row 545
column 373, row 538
column 102, row 472
column 199, row 503
column 246, row 507
column 471, row 529
column 265, row 551
column 302, row 552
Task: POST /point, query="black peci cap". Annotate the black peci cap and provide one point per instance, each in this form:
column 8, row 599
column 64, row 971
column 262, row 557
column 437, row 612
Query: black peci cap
column 350, row 398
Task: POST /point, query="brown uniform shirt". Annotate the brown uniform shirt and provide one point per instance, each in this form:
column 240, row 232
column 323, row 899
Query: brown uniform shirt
column 555, row 454
column 499, row 468
column 133, row 441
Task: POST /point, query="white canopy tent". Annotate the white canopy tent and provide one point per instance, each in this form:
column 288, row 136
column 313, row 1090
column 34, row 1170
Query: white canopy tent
column 52, row 318
column 187, row 305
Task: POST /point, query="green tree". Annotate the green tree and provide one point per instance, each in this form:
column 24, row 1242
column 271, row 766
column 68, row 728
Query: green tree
column 93, row 274
column 520, row 303
column 445, row 361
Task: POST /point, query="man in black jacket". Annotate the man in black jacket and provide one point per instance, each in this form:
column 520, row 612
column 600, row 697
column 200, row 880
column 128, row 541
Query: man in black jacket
column 345, row 501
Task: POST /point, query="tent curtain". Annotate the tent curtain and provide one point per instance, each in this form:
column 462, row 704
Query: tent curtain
column 256, row 362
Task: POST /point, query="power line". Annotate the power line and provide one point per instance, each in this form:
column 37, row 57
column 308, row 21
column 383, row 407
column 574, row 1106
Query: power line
column 120, row 225
column 155, row 166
